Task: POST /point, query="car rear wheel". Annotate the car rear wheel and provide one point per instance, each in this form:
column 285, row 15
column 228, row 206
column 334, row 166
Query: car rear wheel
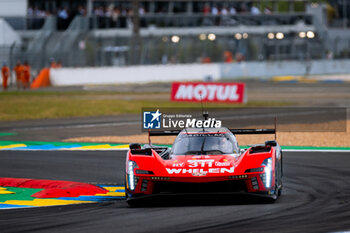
column 277, row 191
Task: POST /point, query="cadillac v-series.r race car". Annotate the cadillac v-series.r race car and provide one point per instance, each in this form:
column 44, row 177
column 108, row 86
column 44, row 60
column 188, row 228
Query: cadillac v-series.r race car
column 204, row 161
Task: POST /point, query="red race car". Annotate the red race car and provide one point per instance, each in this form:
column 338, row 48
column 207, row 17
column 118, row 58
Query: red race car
column 204, row 160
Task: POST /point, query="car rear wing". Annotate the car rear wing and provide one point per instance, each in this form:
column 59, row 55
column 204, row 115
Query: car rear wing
column 253, row 131
column 234, row 131
column 164, row 133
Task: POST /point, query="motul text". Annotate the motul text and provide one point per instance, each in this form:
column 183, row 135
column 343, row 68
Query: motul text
column 208, row 92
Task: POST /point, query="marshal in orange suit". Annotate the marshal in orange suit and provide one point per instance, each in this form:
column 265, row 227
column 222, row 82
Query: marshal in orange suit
column 5, row 71
column 26, row 75
column 19, row 74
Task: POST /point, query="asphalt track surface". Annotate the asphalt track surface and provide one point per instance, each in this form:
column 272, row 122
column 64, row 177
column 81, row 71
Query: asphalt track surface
column 316, row 198
column 60, row 129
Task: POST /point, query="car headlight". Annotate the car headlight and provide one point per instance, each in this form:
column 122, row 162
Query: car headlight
column 268, row 172
column 131, row 176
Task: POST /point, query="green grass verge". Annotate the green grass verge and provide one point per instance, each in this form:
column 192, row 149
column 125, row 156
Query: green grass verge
column 3, row 134
column 50, row 104
column 20, row 194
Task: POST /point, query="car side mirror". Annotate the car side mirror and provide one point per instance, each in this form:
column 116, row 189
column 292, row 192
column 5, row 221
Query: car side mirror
column 271, row 143
column 135, row 146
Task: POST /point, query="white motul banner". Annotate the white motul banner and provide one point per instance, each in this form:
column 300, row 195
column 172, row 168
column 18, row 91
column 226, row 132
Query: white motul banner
column 208, row 92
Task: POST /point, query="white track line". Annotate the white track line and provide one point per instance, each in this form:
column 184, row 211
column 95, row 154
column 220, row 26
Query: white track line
column 314, row 150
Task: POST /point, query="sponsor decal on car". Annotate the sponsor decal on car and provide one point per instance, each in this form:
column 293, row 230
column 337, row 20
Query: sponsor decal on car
column 222, row 164
column 199, row 174
column 178, row 164
column 200, row 163
column 197, row 170
column 208, row 92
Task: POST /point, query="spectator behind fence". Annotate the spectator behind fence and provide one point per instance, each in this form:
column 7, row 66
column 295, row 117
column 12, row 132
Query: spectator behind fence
column 233, row 10
column 53, row 63
column 63, row 19
column 224, row 11
column 99, row 11
column 206, row 9
column 59, row 64
column 214, row 10
column 30, row 11
column 82, row 10
column 115, row 17
column 239, row 57
column 228, row 57
column 254, row 10
column 267, row 11
column 5, row 71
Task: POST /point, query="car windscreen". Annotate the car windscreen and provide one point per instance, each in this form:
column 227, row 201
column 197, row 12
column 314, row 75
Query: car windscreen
column 204, row 144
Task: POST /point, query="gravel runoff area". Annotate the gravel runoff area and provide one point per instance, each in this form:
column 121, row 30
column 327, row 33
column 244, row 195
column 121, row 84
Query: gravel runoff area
column 321, row 139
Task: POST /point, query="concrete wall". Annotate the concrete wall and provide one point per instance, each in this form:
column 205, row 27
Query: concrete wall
column 13, row 8
column 132, row 74
column 265, row 70
column 190, row 72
